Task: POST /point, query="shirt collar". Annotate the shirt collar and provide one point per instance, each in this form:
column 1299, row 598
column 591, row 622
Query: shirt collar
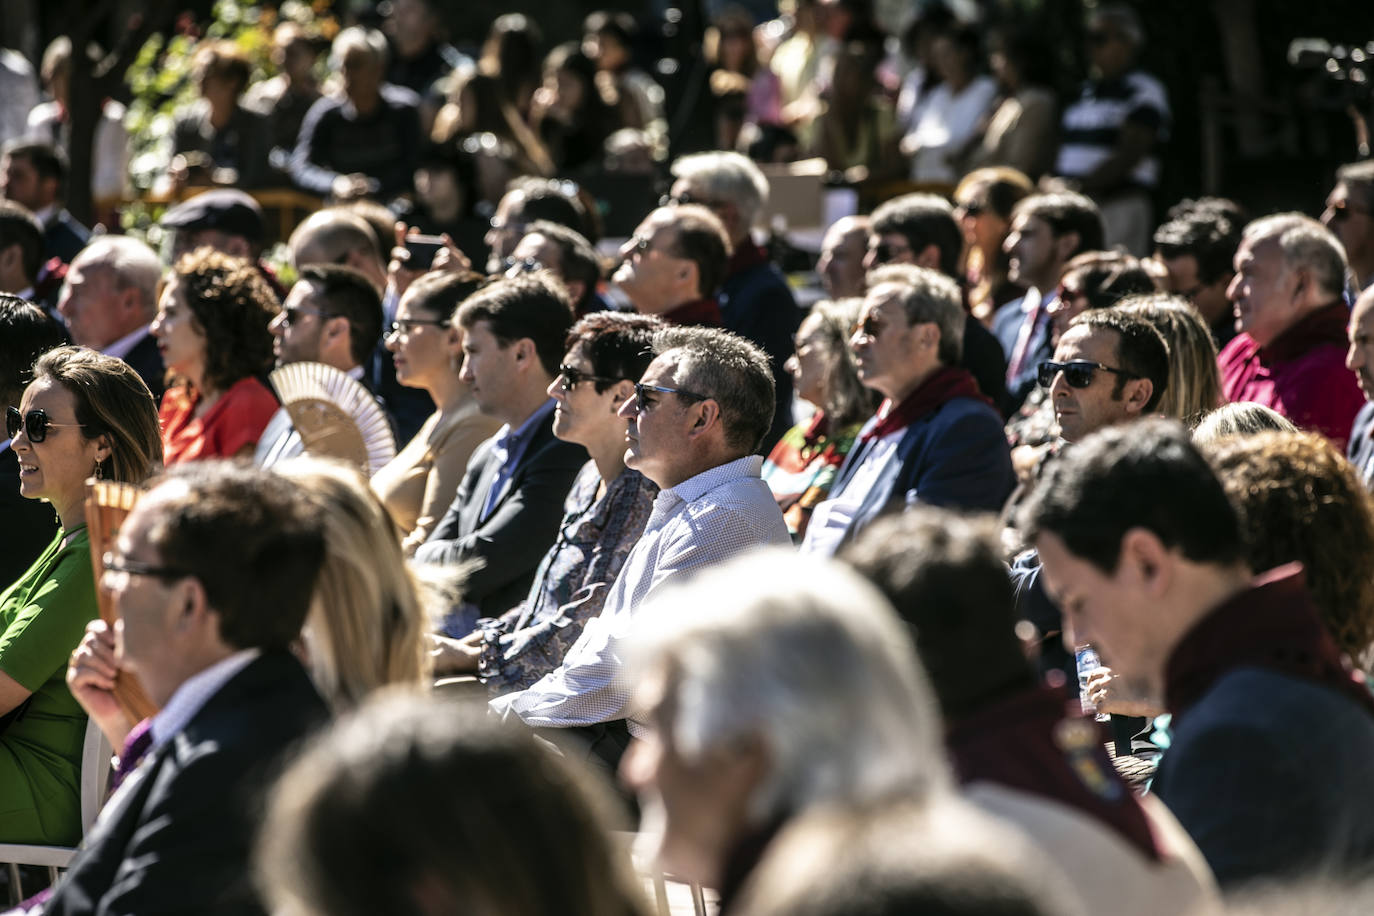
column 699, row 485
column 122, row 347
column 194, row 692
column 46, row 215
column 509, row 438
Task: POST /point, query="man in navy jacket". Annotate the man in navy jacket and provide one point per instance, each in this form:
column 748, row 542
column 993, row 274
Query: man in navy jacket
column 936, row 439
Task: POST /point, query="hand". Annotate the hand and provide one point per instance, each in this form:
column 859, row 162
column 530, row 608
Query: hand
column 91, row 673
column 455, row 656
column 1108, row 694
column 450, row 258
column 398, row 275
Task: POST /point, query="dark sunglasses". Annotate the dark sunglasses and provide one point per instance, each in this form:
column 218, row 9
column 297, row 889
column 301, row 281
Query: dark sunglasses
column 524, row 265
column 1078, row 373
column 291, row 313
column 570, row 378
column 111, row 563
column 35, row 423
column 972, row 208
column 641, row 402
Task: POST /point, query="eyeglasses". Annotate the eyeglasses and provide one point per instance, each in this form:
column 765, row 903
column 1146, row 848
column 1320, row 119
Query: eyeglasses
column 35, row 423
column 522, row 265
column 1078, row 373
column 1342, row 211
column 406, row 325
column 570, row 378
column 111, row 563
column 291, row 313
column 972, row 208
column 642, row 403
column 678, row 200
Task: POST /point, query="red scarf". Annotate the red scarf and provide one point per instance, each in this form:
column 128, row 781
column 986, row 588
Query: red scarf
column 699, row 312
column 747, row 255
column 946, row 384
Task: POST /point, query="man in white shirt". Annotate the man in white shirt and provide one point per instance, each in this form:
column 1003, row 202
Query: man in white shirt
column 698, row 414
column 109, row 299
column 212, row 576
column 333, row 315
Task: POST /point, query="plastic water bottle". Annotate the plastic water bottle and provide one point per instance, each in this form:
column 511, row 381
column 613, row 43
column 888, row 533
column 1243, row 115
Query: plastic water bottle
column 1087, row 661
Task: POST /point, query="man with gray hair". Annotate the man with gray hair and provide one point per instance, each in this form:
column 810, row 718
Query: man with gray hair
column 773, row 686
column 696, row 419
column 935, row 439
column 1290, row 352
column 108, row 301
column 755, row 300
column 366, row 141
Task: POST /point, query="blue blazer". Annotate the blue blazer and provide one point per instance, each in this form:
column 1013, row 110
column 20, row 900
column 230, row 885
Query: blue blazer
column 956, row 456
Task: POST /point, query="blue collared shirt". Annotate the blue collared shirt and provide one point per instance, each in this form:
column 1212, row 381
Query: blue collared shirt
column 509, row 449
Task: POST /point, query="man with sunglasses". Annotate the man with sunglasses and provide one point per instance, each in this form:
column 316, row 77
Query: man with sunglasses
column 936, row 439
column 211, row 576
column 333, row 315
column 1112, row 132
column 1290, row 352
column 566, row 254
column 673, row 265
column 1109, row 368
column 693, row 427
column 1349, row 214
column 510, row 501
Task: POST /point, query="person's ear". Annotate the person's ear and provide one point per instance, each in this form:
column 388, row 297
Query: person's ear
column 1138, row 394
column 1147, row 560
column 576, row 290
column 1065, row 245
column 707, row 413
column 689, row 276
column 525, row 351
column 929, row 258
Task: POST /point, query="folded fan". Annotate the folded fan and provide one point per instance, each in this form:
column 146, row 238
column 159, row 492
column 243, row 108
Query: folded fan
column 108, row 503
column 335, row 416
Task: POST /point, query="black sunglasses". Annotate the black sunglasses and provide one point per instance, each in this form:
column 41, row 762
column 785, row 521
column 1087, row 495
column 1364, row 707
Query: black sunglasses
column 1078, row 373
column 525, row 265
column 111, row 563
column 972, row 208
column 570, row 377
column 35, row 423
column 641, row 403
column 291, row 313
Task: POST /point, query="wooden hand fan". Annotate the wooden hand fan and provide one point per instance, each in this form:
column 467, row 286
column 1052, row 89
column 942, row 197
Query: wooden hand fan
column 335, row 416
column 108, row 503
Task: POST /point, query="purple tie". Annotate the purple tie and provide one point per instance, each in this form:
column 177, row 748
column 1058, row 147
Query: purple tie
column 136, row 745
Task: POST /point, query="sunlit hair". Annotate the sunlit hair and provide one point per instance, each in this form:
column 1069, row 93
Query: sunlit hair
column 1301, row 500
column 806, row 657
column 847, row 401
column 722, row 177
column 111, row 400
column 1243, row 418
column 414, row 806
column 366, row 626
column 1305, row 244
column 231, row 306
column 1194, row 387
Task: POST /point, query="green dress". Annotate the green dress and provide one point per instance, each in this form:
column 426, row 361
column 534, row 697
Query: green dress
column 42, row 619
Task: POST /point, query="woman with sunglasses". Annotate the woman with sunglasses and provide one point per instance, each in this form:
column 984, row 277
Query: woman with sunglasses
column 211, row 329
column 418, row 485
column 84, row 415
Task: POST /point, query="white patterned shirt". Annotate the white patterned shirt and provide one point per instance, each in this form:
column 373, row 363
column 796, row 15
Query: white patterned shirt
column 702, row 521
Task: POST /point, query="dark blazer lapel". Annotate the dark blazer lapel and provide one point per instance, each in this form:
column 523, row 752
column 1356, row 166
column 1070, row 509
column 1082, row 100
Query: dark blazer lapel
column 542, row 439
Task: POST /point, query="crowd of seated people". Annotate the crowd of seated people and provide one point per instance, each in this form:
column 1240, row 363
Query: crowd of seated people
column 1015, row 559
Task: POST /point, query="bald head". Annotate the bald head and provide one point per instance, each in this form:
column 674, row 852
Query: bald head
column 336, row 236
column 841, row 264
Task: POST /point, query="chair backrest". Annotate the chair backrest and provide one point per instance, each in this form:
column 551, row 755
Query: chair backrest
column 95, row 773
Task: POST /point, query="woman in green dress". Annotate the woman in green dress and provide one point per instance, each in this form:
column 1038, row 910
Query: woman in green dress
column 83, row 415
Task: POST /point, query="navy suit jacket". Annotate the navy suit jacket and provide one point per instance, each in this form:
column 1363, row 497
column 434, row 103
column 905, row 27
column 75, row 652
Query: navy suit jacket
column 1270, row 775
column 521, row 527
column 1360, row 450
column 956, row 456
column 1006, row 327
column 64, row 237
column 145, row 359
column 178, row 836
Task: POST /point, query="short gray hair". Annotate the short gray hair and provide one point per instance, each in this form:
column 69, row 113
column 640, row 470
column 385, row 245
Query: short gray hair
column 370, row 41
column 731, row 371
column 726, row 176
column 928, row 296
column 807, row 656
column 131, row 263
column 1305, row 243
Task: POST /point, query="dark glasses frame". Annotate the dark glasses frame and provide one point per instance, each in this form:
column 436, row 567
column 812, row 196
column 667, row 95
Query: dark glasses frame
column 289, row 313
column 35, row 423
column 641, row 388
column 1078, row 372
column 569, row 377
column 109, row 562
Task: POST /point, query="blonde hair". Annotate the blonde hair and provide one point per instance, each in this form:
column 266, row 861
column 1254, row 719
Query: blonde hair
column 1194, row 388
column 366, row 624
column 1243, row 418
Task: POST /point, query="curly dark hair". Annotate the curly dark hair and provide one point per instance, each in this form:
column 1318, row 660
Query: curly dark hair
column 1301, row 500
column 231, row 305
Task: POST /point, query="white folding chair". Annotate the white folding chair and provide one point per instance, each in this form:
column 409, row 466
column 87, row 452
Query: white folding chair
column 95, row 777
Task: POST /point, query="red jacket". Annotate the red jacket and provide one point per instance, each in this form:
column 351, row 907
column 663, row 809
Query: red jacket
column 1301, row 374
